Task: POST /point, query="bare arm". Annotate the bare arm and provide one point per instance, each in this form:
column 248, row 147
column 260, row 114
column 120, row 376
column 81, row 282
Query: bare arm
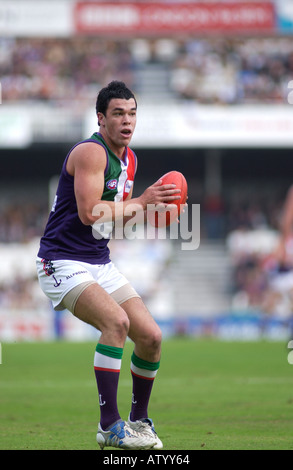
column 87, row 164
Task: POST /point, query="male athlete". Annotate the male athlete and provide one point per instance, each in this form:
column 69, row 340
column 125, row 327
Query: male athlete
column 76, row 273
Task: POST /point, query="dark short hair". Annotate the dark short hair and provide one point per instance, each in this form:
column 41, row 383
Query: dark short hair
column 114, row 89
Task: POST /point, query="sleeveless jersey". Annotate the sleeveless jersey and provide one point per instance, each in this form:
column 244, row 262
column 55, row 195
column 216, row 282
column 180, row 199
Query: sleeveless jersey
column 65, row 236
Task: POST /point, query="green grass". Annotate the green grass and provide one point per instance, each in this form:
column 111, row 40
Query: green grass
column 208, row 395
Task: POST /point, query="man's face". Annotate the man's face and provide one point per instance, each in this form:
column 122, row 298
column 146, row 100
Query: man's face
column 118, row 125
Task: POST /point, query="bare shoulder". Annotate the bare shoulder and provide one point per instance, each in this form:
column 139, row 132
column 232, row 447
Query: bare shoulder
column 87, row 156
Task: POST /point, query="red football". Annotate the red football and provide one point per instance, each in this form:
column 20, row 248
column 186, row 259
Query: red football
column 175, row 177
column 164, row 216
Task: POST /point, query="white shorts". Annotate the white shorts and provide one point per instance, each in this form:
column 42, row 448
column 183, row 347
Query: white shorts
column 59, row 278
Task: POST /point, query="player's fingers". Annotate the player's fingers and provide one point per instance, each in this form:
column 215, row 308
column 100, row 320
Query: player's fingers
column 171, row 186
column 171, row 197
column 170, row 192
column 164, row 187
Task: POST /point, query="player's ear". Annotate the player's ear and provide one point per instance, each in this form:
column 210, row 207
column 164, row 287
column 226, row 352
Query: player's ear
column 100, row 118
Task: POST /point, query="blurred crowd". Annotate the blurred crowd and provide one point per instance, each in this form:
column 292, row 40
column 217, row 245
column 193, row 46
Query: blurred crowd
column 206, row 70
column 231, row 70
column 60, row 69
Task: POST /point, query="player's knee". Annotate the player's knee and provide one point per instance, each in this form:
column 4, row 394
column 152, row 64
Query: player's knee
column 124, row 324
column 152, row 342
column 120, row 325
column 116, row 326
column 157, row 339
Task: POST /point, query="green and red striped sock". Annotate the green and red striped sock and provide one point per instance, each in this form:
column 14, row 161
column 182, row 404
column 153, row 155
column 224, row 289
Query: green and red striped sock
column 143, row 375
column 107, row 365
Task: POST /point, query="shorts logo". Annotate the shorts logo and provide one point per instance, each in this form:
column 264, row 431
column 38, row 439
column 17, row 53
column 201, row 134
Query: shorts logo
column 112, row 184
column 57, row 283
column 49, row 271
column 48, row 267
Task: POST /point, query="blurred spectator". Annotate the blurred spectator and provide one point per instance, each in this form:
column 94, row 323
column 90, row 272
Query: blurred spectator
column 22, row 222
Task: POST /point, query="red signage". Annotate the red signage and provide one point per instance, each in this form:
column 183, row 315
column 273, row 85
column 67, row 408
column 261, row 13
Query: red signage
column 154, row 18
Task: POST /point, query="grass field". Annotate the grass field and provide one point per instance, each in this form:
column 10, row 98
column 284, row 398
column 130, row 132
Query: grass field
column 208, row 395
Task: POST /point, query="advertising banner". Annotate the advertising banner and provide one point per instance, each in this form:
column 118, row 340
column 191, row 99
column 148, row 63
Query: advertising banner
column 57, row 18
column 148, row 18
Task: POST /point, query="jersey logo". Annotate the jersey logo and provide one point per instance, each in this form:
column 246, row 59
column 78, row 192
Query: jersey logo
column 112, row 184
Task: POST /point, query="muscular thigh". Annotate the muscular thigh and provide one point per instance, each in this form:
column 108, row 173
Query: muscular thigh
column 96, row 307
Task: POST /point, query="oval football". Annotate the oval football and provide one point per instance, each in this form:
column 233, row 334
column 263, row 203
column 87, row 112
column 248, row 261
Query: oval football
column 165, row 216
column 177, row 178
